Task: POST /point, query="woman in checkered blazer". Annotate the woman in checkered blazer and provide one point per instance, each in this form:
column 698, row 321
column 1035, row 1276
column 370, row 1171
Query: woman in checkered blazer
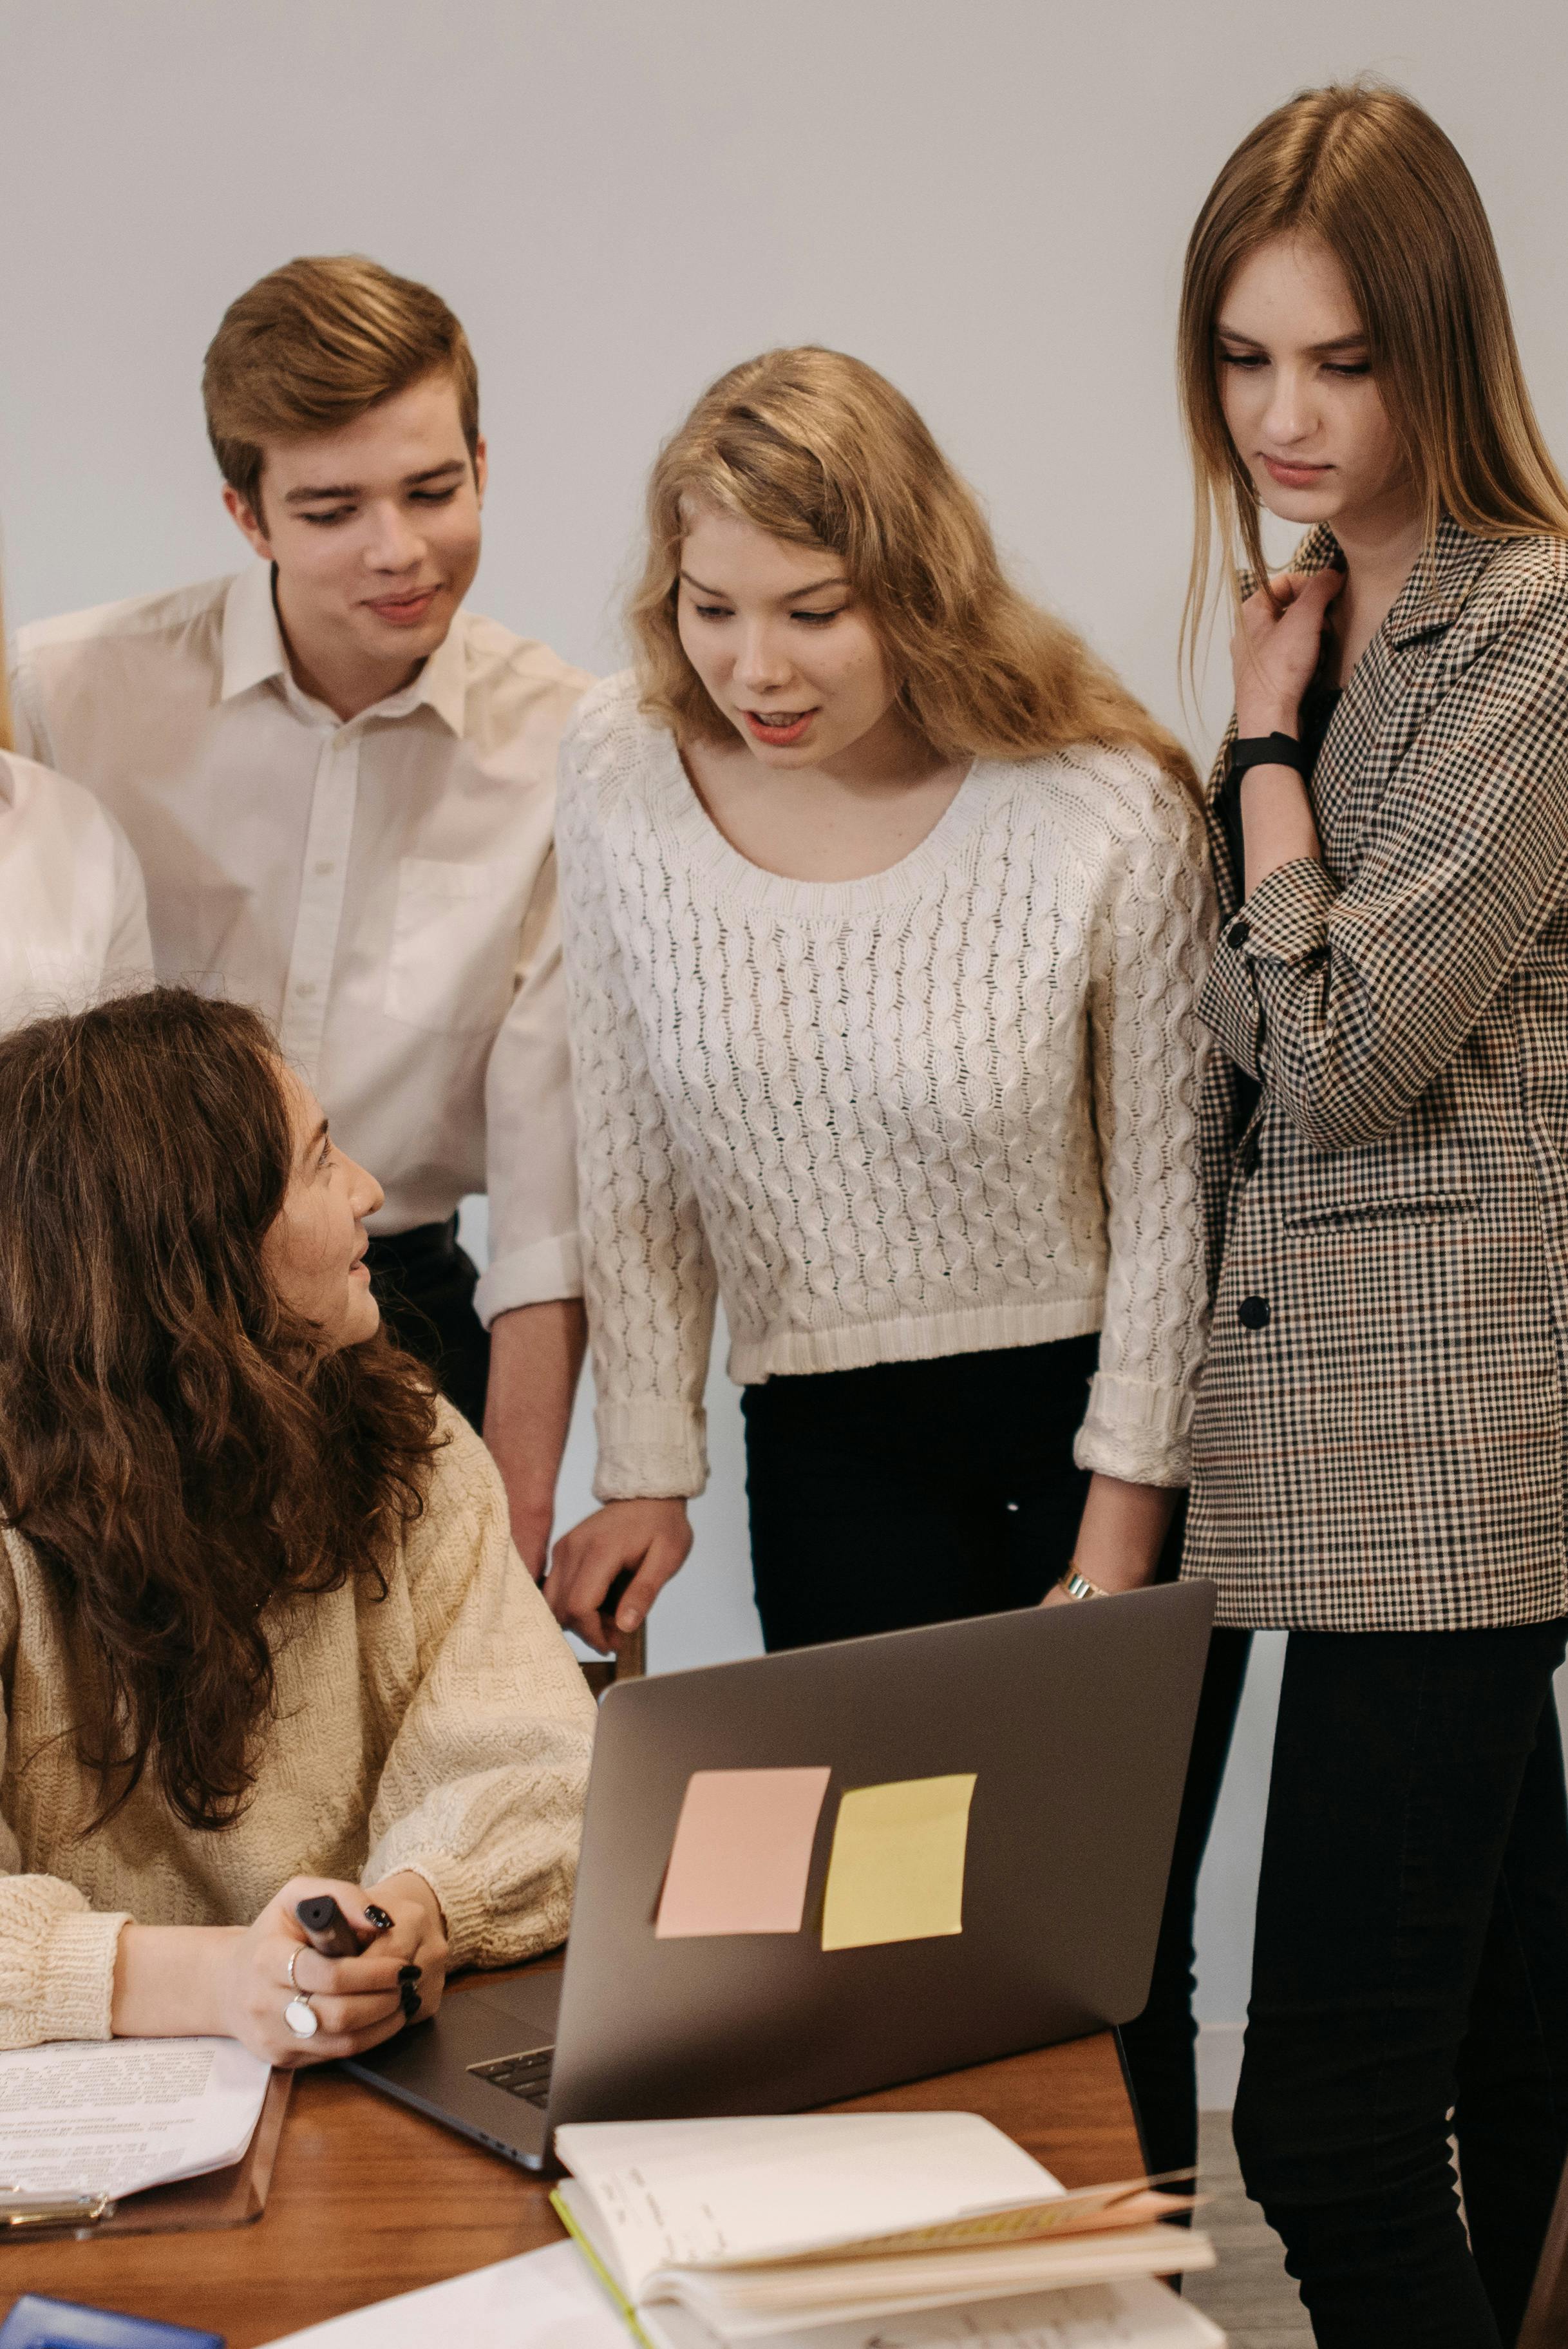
column 1380, row 1439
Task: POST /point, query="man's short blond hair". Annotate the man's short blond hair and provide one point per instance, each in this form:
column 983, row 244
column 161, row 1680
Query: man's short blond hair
column 314, row 345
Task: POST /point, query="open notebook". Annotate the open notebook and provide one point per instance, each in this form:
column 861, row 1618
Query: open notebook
column 739, row 2230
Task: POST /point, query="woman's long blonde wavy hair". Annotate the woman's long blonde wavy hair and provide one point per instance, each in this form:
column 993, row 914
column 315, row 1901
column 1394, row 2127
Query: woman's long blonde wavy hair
column 1366, row 171
column 818, row 450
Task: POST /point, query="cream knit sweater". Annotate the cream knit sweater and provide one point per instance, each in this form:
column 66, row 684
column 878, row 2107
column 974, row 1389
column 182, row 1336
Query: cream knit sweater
column 947, row 1108
column 445, row 1729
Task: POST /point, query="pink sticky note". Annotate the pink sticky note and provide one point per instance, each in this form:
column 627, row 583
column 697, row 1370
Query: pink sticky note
column 742, row 1853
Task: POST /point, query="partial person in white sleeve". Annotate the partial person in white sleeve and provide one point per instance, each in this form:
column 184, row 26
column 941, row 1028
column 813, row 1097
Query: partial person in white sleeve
column 73, row 911
column 884, row 909
column 262, row 1632
column 341, row 787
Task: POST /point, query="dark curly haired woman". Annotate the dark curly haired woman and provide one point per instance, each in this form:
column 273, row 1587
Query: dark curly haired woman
column 261, row 1628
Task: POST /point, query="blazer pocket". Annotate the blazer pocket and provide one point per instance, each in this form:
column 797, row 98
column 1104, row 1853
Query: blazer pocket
column 456, row 934
column 1374, row 1215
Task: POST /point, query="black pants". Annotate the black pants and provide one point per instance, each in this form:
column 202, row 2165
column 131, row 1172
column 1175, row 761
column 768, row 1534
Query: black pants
column 1160, row 2047
column 914, row 1492
column 424, row 1283
column 1410, row 1964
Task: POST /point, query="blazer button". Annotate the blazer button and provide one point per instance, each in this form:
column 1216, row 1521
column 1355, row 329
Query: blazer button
column 1252, row 1312
column 1238, row 933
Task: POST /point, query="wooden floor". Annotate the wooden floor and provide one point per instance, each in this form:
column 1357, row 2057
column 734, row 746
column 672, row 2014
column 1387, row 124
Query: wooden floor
column 1249, row 2294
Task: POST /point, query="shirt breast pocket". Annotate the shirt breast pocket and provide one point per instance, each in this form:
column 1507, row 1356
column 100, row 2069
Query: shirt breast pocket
column 456, row 931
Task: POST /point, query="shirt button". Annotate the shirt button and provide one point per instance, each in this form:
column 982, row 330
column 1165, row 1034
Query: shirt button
column 325, row 866
column 1238, row 933
column 1252, row 1312
column 305, row 987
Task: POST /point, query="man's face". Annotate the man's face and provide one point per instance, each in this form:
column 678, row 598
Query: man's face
column 375, row 531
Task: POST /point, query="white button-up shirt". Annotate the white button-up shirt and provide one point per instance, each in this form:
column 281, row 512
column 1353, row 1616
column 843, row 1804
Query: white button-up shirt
column 383, row 890
column 73, row 916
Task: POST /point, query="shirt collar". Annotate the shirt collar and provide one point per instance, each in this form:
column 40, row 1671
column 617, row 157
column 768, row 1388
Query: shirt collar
column 252, row 640
column 254, row 654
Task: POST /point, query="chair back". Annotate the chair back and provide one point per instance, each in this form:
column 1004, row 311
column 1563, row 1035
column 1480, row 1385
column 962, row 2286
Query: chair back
column 630, row 1662
column 1545, row 2324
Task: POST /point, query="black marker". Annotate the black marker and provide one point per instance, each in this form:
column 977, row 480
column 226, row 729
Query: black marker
column 325, row 1927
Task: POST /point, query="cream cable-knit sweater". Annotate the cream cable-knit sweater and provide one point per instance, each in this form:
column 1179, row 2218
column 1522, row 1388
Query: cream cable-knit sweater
column 445, row 1729
column 944, row 1108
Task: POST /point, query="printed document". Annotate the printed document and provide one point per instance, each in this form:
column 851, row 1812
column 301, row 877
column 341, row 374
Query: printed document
column 114, row 2116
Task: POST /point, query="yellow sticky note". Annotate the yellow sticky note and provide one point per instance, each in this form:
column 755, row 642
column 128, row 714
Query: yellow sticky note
column 896, row 1873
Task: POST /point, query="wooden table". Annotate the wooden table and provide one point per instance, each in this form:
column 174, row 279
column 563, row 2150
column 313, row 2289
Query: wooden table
column 368, row 2199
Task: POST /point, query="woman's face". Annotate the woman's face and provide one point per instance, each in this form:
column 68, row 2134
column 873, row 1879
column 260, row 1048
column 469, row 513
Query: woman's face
column 315, row 1249
column 1298, row 394
column 775, row 634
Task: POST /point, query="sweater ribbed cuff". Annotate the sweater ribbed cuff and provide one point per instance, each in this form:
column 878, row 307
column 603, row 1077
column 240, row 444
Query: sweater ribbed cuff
column 468, row 1905
column 650, row 1452
column 73, row 1988
column 1136, row 1431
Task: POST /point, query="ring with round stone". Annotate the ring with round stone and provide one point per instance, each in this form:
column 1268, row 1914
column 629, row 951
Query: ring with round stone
column 300, row 2016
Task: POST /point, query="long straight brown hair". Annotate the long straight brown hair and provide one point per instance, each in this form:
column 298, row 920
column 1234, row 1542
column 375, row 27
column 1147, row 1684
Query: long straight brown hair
column 1367, row 172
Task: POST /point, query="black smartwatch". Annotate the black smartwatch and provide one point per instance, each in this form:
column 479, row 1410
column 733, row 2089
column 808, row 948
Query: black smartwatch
column 1267, row 750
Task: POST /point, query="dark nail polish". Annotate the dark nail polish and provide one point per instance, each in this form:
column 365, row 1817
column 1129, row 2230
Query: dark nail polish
column 377, row 1917
column 410, row 2002
column 409, row 1974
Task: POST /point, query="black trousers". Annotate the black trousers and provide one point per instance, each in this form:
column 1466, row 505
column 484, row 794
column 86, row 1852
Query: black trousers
column 1160, row 2047
column 424, row 1283
column 1409, row 1976
column 914, row 1492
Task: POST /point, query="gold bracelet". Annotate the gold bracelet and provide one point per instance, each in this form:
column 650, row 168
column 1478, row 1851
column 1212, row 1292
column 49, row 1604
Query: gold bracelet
column 1079, row 1586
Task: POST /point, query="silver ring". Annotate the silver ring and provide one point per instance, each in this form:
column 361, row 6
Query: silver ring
column 300, row 2016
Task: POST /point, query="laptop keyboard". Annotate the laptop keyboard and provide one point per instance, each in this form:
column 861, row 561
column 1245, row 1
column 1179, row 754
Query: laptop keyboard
column 526, row 2076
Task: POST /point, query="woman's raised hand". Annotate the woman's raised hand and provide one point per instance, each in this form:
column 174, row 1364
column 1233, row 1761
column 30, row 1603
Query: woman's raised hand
column 647, row 1540
column 357, row 2002
column 1275, row 648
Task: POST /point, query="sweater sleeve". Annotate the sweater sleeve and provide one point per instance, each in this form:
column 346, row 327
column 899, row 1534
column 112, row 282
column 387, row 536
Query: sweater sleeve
column 56, row 1954
column 1152, row 934
column 483, row 1786
column 648, row 1273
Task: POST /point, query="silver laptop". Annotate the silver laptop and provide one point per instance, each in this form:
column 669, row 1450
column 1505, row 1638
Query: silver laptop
column 1076, row 1723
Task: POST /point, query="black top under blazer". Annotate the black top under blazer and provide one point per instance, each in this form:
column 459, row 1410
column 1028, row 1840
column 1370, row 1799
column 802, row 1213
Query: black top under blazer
column 1380, row 1428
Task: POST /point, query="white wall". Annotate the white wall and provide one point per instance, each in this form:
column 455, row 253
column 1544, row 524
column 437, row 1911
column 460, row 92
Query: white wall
column 988, row 200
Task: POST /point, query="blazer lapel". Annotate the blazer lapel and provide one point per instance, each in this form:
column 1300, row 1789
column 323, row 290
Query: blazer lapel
column 1348, row 780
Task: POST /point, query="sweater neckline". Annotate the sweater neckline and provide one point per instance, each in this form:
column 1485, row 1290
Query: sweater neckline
column 707, row 854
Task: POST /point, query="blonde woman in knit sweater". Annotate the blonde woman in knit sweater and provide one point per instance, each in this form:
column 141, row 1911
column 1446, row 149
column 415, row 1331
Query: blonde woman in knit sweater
column 263, row 1632
column 885, row 905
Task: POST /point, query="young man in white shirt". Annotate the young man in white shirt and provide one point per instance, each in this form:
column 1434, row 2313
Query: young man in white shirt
column 341, row 787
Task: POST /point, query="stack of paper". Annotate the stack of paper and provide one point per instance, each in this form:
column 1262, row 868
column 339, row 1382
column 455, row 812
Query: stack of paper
column 810, row 2226
column 548, row 2299
column 111, row 2116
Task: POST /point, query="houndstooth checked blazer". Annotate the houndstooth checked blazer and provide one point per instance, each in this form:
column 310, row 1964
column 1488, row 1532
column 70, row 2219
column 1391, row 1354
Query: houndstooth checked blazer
column 1379, row 1442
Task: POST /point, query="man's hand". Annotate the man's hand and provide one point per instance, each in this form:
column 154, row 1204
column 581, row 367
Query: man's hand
column 536, row 1358
column 647, row 1539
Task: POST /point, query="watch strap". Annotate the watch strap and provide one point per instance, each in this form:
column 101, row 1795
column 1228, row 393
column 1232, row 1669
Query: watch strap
column 1267, row 750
